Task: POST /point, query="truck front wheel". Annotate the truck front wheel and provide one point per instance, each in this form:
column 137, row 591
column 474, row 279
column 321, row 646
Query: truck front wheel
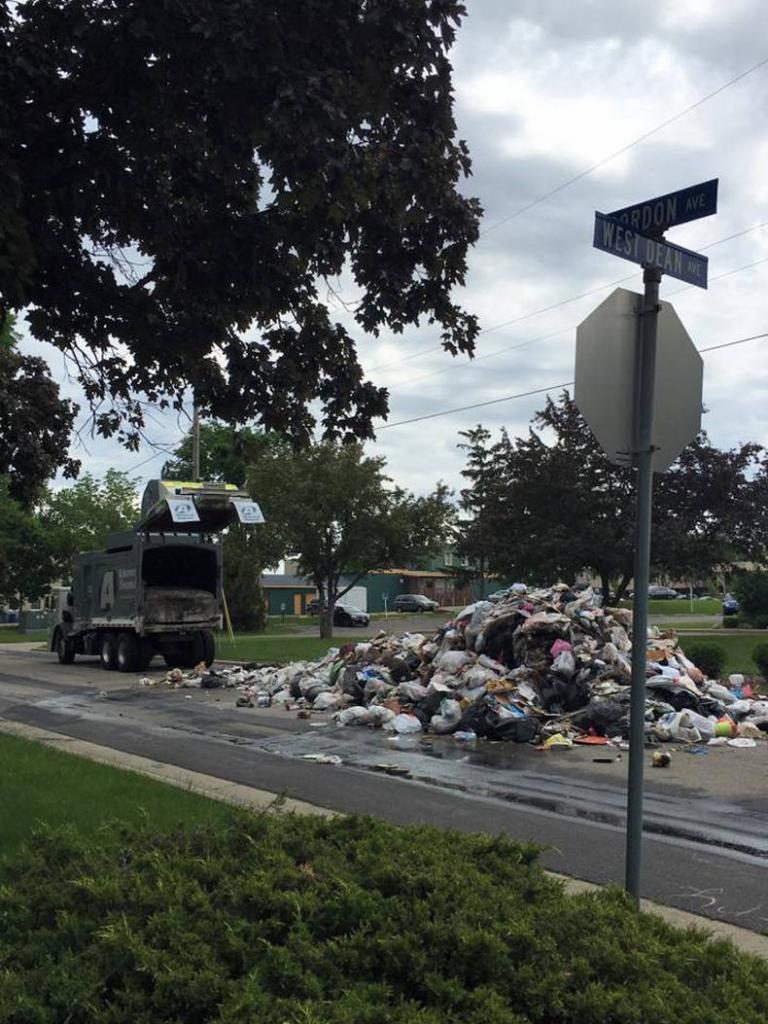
column 65, row 649
column 108, row 651
column 127, row 652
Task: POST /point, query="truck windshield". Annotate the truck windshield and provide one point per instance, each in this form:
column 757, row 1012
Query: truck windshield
column 179, row 566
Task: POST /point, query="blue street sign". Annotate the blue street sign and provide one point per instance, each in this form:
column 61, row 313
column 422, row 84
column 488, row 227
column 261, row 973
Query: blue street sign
column 616, row 238
column 654, row 216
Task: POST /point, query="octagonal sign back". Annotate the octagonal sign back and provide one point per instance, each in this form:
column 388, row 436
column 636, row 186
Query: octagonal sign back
column 605, row 379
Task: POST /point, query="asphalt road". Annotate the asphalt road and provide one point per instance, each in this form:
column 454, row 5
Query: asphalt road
column 706, row 847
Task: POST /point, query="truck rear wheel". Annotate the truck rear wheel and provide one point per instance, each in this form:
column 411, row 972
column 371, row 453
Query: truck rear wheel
column 108, row 651
column 127, row 652
column 65, row 648
column 206, row 646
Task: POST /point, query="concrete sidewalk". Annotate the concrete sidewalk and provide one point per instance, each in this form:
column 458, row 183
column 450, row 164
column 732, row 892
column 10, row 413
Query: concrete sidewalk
column 260, row 800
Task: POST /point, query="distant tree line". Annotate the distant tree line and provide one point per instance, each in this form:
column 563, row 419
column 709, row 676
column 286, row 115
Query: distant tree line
column 550, row 505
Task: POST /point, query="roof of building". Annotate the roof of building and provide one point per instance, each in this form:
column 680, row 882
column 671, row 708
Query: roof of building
column 419, row 573
column 292, row 582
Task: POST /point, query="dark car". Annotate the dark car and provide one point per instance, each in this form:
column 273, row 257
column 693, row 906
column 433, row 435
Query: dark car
column 662, row 594
column 730, row 605
column 343, row 614
column 413, row 603
column 348, row 615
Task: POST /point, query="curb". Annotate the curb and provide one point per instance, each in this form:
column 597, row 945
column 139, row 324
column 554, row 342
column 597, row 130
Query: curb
column 259, row 799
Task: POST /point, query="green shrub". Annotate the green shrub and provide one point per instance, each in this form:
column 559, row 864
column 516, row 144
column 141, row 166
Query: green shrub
column 731, row 622
column 751, row 590
column 343, row 921
column 760, row 658
column 710, row 658
column 759, row 621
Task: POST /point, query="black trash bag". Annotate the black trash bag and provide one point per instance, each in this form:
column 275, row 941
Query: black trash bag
column 673, row 694
column 351, row 685
column 431, row 704
column 210, row 681
column 483, row 718
column 558, row 694
column 517, row 730
column 709, row 706
column 602, row 715
column 403, row 669
column 499, row 642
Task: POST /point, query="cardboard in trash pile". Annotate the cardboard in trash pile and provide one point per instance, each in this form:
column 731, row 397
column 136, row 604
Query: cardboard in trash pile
column 547, row 667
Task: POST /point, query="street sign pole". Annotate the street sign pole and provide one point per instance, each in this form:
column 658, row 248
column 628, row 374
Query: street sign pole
column 643, row 450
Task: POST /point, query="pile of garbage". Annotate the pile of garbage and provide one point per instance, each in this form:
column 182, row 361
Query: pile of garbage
column 546, row 666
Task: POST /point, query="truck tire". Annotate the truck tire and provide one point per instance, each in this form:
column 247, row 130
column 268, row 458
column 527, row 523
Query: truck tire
column 127, row 652
column 65, row 648
column 206, row 645
column 108, row 651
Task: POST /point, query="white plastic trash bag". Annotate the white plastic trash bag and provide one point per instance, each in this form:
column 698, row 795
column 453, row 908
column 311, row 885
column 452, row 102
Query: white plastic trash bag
column 448, row 718
column 353, row 716
column 404, row 724
column 380, row 715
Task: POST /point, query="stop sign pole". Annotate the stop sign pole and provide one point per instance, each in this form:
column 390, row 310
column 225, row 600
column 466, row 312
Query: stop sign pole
column 645, row 366
column 636, row 233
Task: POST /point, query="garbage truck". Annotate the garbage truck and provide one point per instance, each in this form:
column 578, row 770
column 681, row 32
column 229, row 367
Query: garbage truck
column 155, row 589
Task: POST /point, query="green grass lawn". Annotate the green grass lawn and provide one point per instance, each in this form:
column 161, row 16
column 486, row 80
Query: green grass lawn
column 692, row 623
column 13, row 636
column 701, row 606
column 38, row 784
column 276, row 649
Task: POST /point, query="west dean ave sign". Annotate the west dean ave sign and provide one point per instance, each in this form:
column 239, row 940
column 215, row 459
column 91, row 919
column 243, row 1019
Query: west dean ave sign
column 634, row 232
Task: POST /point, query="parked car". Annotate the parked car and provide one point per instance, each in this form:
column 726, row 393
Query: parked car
column 343, row 614
column 662, row 594
column 348, row 615
column 413, row 603
column 730, row 605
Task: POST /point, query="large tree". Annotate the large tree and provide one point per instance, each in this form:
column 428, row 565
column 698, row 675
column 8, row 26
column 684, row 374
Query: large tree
column 181, row 180
column 35, row 421
column 336, row 508
column 27, row 563
column 80, row 517
column 555, row 505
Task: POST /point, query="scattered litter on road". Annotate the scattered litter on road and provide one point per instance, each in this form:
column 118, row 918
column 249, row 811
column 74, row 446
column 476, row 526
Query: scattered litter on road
column 546, row 667
column 661, row 759
column 324, row 758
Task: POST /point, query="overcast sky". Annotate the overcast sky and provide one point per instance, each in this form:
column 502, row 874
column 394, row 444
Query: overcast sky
column 545, row 90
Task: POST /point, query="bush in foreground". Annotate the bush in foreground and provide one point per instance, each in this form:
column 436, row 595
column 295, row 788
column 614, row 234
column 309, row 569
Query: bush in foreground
column 286, row 920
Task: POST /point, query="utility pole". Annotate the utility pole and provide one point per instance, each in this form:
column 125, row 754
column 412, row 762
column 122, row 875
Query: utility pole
column 195, row 441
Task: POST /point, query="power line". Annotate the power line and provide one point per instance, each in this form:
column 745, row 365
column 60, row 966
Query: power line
column 729, row 344
column 539, row 391
column 624, row 149
column 475, row 405
column 573, row 298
